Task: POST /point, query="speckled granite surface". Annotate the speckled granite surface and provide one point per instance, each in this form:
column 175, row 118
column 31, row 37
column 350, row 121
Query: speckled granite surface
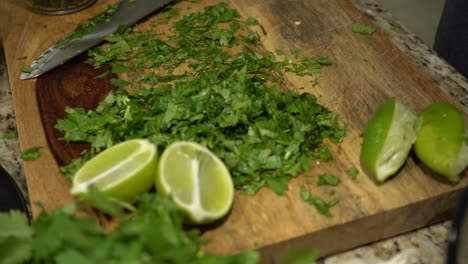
column 427, row 245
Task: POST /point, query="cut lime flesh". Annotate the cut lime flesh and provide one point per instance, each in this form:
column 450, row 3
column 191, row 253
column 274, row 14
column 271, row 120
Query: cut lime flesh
column 388, row 138
column 197, row 180
column 122, row 171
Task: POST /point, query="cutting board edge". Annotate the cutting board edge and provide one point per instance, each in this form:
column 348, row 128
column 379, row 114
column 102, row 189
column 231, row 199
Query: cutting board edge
column 446, row 203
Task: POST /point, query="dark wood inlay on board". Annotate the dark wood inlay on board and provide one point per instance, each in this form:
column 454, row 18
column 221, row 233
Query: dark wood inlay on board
column 72, row 84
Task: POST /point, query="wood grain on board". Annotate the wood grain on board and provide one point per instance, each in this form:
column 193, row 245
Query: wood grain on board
column 366, row 70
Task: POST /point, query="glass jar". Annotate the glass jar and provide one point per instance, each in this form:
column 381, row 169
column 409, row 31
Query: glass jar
column 58, row 7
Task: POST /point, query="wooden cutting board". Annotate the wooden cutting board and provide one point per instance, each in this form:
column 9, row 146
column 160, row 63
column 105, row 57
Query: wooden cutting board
column 366, row 70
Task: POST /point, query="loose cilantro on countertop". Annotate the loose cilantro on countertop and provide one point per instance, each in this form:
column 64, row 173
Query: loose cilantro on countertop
column 154, row 233
column 211, row 82
column 319, row 204
column 362, row 29
column 31, row 154
column 10, row 135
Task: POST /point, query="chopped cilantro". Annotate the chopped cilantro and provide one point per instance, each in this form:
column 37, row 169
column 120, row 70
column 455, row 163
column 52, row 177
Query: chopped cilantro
column 278, row 185
column 353, row 172
column 328, row 179
column 102, row 75
column 323, row 153
column 302, row 256
column 85, row 28
column 362, row 29
column 30, row 154
column 319, row 204
column 26, row 69
column 211, row 81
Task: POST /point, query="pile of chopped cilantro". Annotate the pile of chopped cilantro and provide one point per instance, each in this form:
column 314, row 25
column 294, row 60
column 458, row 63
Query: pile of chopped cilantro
column 209, row 80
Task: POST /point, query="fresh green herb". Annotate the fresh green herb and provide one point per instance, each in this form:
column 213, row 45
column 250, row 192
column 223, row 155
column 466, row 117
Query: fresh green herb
column 84, row 29
column 10, row 135
column 102, row 75
column 251, row 21
column 211, row 82
column 323, row 153
column 328, row 179
column 280, row 52
column 171, row 12
column 321, row 206
column 302, row 256
column 278, row 184
column 26, row 69
column 30, row 154
column 70, row 169
column 362, row 29
column 22, row 58
column 153, row 233
column 15, row 237
column 353, row 172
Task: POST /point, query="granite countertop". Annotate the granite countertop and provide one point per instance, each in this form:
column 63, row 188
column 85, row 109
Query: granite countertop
column 426, row 245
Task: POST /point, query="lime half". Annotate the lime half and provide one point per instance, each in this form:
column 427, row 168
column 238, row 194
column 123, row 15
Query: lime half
column 442, row 140
column 122, row 171
column 388, row 138
column 197, row 180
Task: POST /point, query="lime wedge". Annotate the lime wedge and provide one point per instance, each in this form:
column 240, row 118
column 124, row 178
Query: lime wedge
column 442, row 140
column 122, row 171
column 197, row 180
column 388, row 138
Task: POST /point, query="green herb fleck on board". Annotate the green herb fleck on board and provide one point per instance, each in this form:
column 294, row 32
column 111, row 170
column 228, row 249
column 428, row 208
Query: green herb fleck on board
column 353, row 172
column 30, row 154
column 321, row 206
column 328, row 179
column 362, row 29
column 22, row 58
column 26, row 69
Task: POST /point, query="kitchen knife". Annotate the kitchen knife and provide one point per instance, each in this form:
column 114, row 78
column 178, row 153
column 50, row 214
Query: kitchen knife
column 126, row 12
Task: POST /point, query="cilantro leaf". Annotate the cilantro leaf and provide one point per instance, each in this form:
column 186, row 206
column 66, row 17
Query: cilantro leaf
column 319, row 204
column 301, row 256
column 328, row 179
column 31, row 154
column 15, row 237
column 362, row 29
column 26, row 69
column 153, row 233
column 278, row 185
column 353, row 172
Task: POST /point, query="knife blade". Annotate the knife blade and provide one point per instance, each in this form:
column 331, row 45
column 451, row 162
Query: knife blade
column 124, row 13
